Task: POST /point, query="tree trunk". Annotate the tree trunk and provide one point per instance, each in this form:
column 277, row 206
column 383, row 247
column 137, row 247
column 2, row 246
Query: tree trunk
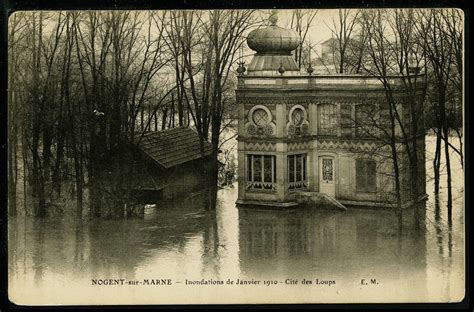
column 47, row 143
column 179, row 96
column 171, row 124
column 56, row 177
column 24, row 157
column 341, row 64
column 163, row 119
column 437, row 163
column 448, row 173
column 38, row 185
column 12, row 181
column 12, row 150
column 79, row 182
column 12, row 134
column 398, row 197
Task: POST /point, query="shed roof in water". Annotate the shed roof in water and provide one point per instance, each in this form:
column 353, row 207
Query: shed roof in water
column 174, row 146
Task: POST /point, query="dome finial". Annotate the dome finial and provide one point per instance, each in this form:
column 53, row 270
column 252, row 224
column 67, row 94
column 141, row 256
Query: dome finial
column 273, row 19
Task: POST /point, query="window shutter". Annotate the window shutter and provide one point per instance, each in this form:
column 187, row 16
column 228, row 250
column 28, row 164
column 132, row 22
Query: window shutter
column 371, row 175
column 346, row 122
column 249, row 168
column 304, row 167
column 360, row 175
column 291, row 168
column 366, row 175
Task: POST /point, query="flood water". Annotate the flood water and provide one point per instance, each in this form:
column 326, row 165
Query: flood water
column 55, row 260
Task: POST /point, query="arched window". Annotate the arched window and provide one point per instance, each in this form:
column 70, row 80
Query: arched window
column 298, row 116
column 328, row 119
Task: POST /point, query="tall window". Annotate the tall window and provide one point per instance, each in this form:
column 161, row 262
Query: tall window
column 328, row 119
column 366, row 175
column 261, row 172
column 297, row 171
column 365, row 120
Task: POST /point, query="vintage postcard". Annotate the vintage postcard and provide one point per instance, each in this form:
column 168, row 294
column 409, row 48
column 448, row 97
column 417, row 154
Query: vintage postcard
column 236, row 156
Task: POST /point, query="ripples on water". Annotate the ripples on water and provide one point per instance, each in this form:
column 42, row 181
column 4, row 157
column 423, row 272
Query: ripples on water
column 52, row 257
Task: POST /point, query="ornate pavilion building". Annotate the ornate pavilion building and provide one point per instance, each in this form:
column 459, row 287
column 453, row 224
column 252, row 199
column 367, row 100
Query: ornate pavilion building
column 300, row 133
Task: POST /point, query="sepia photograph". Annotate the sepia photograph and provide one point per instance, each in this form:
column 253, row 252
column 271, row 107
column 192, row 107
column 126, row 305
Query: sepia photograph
column 236, row 156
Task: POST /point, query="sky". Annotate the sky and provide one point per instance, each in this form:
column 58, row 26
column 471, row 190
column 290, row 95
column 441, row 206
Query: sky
column 319, row 31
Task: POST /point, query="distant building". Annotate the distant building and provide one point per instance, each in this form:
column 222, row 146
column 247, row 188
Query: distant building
column 328, row 48
column 297, row 132
column 331, row 55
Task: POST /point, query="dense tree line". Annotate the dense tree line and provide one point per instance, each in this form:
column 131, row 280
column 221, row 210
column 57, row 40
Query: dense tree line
column 82, row 84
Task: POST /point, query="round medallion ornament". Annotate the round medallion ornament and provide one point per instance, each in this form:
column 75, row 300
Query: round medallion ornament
column 260, row 117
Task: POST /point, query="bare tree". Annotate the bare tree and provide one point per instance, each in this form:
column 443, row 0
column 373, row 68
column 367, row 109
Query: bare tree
column 442, row 41
column 357, row 47
column 205, row 45
column 88, row 82
column 42, row 89
column 301, row 22
column 395, row 60
column 343, row 31
column 16, row 33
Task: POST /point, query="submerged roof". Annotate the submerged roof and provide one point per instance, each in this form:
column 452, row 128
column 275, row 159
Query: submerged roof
column 174, row 146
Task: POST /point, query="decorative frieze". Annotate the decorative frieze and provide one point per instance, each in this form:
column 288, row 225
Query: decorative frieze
column 346, row 145
column 264, row 186
column 269, row 105
column 271, row 99
column 260, row 101
column 260, row 146
column 299, row 146
column 297, row 185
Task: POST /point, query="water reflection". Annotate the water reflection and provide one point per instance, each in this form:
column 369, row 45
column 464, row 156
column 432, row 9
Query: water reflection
column 106, row 248
column 183, row 239
column 188, row 241
column 310, row 243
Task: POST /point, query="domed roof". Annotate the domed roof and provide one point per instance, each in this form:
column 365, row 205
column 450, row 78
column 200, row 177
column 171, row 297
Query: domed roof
column 273, row 39
column 273, row 45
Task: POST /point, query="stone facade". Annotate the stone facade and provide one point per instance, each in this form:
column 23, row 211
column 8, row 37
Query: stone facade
column 300, row 133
